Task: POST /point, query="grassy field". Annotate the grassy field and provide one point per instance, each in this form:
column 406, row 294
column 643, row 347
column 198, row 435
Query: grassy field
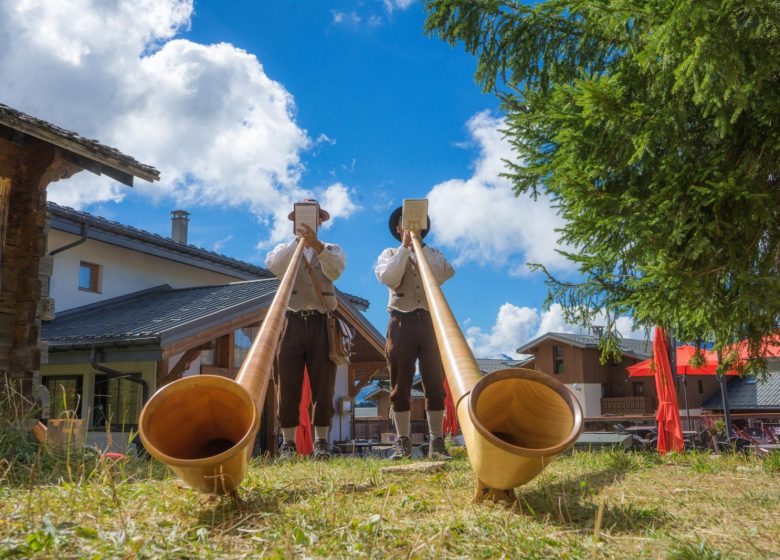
column 585, row 505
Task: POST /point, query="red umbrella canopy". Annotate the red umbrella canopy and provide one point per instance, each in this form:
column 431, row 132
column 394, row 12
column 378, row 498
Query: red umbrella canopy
column 684, row 355
column 668, row 414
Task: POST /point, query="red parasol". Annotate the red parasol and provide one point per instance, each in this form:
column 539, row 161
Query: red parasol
column 303, row 438
column 668, row 415
column 450, row 414
column 684, row 356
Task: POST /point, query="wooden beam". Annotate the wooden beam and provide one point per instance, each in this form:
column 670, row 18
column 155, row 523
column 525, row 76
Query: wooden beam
column 213, row 333
column 362, row 382
column 183, row 364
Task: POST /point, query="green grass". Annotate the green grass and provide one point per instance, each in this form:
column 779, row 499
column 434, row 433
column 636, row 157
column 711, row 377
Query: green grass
column 584, row 505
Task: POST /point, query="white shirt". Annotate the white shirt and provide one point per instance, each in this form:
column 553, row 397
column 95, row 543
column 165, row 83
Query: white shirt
column 392, row 265
column 331, row 258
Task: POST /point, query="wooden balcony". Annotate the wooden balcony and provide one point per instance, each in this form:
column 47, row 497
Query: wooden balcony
column 622, row 406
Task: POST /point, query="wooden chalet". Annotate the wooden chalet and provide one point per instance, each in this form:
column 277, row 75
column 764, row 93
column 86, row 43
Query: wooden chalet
column 33, row 154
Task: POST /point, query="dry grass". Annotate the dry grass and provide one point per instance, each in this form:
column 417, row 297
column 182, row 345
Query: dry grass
column 586, row 505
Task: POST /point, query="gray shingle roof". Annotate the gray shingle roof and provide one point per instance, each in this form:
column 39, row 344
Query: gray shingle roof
column 750, row 394
column 161, row 313
column 631, row 347
column 489, row 365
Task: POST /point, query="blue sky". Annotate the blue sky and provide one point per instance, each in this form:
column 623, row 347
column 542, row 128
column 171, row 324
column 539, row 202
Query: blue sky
column 245, row 106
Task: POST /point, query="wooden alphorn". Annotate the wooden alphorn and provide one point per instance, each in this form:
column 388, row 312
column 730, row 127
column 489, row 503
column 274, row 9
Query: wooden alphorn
column 514, row 421
column 204, row 426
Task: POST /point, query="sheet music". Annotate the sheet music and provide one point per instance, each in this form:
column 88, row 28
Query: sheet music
column 415, row 214
column 306, row 213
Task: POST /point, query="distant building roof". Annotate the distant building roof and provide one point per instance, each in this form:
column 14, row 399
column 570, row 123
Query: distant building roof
column 750, row 394
column 374, row 393
column 641, row 349
column 85, row 153
column 94, row 227
column 489, row 365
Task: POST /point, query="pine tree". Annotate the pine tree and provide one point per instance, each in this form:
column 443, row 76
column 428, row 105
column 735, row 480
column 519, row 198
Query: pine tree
column 655, row 127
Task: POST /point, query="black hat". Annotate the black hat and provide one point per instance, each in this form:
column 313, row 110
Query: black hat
column 395, row 217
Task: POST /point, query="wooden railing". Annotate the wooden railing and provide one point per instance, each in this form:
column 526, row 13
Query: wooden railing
column 373, row 428
column 627, row 405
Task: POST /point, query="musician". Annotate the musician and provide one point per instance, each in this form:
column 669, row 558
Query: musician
column 305, row 339
column 410, row 337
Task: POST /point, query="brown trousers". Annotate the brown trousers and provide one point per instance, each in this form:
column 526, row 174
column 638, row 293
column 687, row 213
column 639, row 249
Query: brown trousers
column 410, row 337
column 305, row 343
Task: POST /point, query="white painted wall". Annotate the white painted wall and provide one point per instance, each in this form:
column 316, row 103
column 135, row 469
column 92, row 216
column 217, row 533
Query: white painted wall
column 589, row 397
column 123, row 271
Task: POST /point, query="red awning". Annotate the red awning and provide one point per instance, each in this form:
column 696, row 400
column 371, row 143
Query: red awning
column 684, row 356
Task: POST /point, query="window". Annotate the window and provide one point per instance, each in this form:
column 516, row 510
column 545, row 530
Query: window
column 64, row 395
column 701, row 386
column 557, row 359
column 117, row 403
column 242, row 342
column 639, row 388
column 89, row 277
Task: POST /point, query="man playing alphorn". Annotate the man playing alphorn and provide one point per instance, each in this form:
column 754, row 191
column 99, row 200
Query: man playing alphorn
column 410, row 337
column 304, row 341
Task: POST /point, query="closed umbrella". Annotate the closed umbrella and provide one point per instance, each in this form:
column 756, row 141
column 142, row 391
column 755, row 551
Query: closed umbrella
column 303, row 438
column 450, row 415
column 668, row 414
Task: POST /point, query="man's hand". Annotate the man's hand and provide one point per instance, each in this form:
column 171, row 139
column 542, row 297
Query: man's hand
column 309, row 237
column 407, row 239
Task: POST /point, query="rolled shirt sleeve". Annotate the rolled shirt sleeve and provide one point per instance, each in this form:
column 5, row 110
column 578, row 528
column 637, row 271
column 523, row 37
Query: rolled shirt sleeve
column 333, row 261
column 391, row 265
column 441, row 268
column 280, row 256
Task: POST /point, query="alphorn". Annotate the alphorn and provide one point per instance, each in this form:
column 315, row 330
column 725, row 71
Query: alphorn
column 204, row 426
column 514, row 421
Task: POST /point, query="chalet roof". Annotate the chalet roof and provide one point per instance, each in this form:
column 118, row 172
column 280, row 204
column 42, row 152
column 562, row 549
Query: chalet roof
column 86, row 153
column 73, row 221
column 162, row 315
column 750, row 394
column 640, row 349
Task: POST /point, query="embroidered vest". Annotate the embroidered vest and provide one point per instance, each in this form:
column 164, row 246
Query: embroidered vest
column 304, row 294
column 409, row 294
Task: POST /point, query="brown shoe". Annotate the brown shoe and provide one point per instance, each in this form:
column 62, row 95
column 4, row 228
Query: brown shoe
column 437, row 450
column 321, row 452
column 402, row 449
column 287, row 451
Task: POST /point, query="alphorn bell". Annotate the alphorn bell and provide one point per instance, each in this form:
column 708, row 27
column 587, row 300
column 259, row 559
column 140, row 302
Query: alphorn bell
column 514, row 421
column 204, row 426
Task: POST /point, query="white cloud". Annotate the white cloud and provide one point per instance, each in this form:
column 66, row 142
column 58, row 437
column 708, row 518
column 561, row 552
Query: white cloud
column 392, row 5
column 515, row 326
column 352, row 18
column 480, row 219
column 218, row 128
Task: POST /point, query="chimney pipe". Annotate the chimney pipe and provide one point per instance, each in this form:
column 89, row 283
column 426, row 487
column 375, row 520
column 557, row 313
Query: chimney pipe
column 179, row 221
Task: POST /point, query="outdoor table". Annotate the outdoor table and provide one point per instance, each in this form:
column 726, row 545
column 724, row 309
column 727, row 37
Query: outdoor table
column 602, row 439
column 361, row 447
